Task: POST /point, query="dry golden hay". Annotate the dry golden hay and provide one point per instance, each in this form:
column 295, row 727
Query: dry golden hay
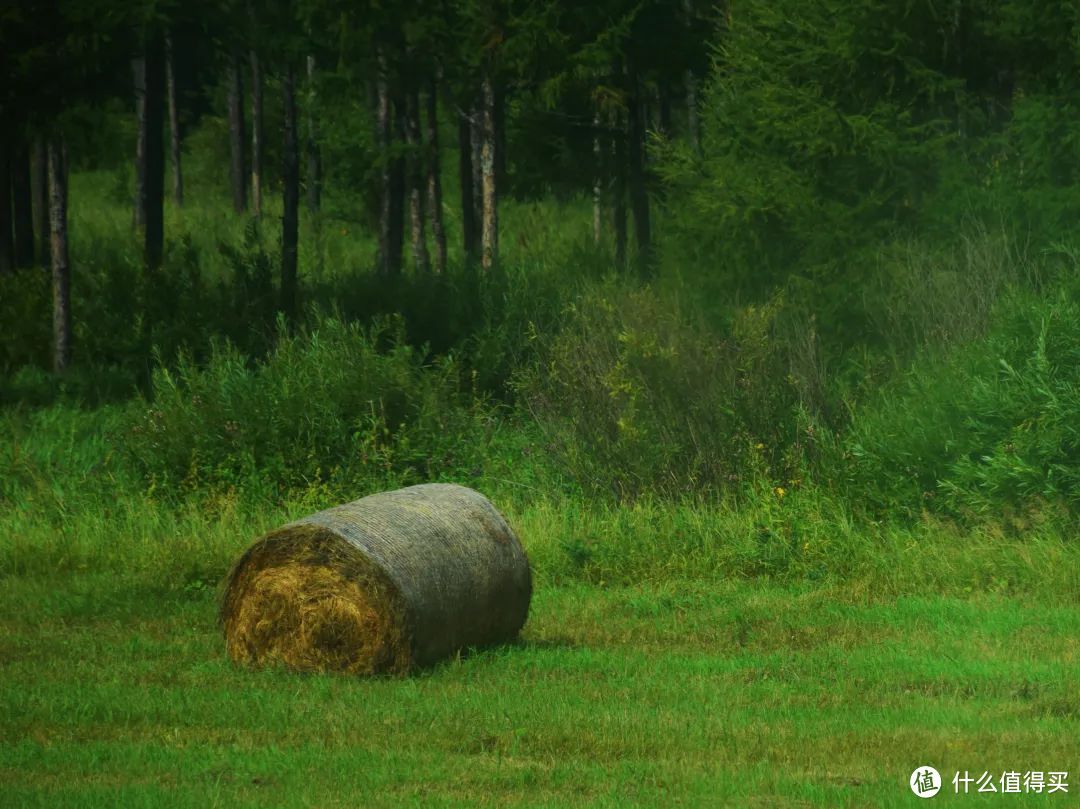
column 380, row 585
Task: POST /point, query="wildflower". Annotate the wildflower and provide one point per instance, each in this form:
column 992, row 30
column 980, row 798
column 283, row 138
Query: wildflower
column 780, row 491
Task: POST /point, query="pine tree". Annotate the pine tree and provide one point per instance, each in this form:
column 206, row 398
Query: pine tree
column 468, row 187
column 138, row 70
column 383, row 129
column 154, row 154
column 416, row 178
column 7, row 237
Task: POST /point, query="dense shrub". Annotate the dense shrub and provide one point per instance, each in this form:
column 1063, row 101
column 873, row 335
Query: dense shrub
column 924, row 293
column 989, row 426
column 337, row 404
column 25, row 301
column 636, row 397
column 485, row 320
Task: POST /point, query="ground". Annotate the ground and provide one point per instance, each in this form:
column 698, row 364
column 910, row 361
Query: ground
column 723, row 693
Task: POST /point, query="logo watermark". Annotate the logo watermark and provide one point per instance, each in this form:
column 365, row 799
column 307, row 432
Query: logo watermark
column 926, row 782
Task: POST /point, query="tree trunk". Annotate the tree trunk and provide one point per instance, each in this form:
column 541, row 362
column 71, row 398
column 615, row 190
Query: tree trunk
column 290, row 199
column 314, row 160
column 61, row 273
column 434, row 181
column 663, row 103
column 618, row 192
column 468, row 190
column 415, row 174
column 138, row 70
column 389, row 126
column 639, row 195
column 7, row 237
column 397, row 189
column 256, row 134
column 598, row 178
column 22, row 205
column 476, row 140
column 488, row 161
column 648, row 112
column 39, row 190
column 383, row 126
column 499, row 123
column 154, row 167
column 236, row 133
column 174, row 125
column 693, row 121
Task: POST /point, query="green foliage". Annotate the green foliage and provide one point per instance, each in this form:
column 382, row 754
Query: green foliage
column 639, row 398
column 25, row 311
column 1031, row 173
column 852, row 381
column 358, row 409
column 206, row 150
column 220, row 280
column 921, row 293
column 990, row 427
column 822, row 120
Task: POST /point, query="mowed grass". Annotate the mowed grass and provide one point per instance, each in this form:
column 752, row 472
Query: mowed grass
column 736, row 693
column 773, row 652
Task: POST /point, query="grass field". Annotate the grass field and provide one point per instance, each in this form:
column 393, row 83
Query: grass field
column 116, row 691
column 784, row 646
column 694, row 654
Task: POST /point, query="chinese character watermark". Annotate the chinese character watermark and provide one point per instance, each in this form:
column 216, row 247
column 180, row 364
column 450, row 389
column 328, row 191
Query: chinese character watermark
column 1009, row 781
column 925, row 781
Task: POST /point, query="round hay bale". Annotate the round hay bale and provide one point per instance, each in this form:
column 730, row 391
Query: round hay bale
column 383, row 584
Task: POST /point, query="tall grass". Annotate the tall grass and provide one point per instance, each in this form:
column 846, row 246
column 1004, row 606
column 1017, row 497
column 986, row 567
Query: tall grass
column 633, row 431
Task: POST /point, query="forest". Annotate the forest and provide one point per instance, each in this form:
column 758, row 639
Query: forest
column 758, row 319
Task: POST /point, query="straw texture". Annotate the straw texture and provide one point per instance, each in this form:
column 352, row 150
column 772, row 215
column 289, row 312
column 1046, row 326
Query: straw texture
column 383, row 584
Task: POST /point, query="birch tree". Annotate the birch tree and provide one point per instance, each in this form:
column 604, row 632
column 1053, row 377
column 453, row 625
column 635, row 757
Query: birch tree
column 61, row 270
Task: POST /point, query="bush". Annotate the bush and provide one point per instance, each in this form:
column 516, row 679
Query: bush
column 927, row 294
column 636, row 398
column 990, row 426
column 485, row 319
column 26, row 315
column 352, row 408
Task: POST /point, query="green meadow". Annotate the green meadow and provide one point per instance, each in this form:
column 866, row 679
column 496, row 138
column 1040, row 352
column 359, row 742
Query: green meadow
column 674, row 655
column 773, row 368
column 723, row 693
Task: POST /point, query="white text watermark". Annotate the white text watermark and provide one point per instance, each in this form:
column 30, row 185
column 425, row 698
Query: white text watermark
column 926, row 782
